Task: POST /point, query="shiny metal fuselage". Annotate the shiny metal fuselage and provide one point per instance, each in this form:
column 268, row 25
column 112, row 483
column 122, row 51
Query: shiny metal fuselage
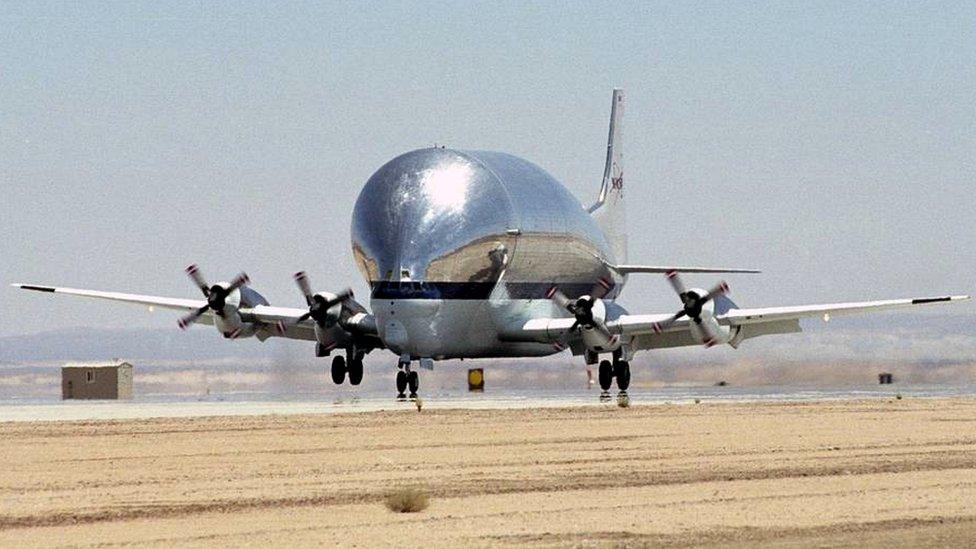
column 455, row 245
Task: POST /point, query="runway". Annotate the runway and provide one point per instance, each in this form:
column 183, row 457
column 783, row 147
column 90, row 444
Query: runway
column 875, row 471
column 273, row 403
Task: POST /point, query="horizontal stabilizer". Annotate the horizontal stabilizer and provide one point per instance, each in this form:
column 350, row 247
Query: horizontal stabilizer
column 631, row 269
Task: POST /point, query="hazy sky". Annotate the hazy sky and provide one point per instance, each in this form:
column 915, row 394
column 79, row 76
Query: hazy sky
column 832, row 145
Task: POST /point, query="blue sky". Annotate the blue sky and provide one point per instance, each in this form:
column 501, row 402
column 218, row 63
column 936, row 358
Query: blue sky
column 830, row 144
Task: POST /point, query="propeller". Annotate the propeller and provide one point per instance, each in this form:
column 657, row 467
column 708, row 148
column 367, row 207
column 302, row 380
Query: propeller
column 691, row 306
column 318, row 304
column 216, row 295
column 582, row 310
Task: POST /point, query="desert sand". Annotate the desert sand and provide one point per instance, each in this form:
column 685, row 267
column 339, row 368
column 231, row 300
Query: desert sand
column 883, row 472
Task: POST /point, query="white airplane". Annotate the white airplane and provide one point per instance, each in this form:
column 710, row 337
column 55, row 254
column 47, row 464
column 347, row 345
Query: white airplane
column 474, row 254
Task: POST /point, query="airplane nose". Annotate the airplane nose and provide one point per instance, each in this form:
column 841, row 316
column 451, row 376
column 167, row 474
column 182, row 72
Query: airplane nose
column 432, row 215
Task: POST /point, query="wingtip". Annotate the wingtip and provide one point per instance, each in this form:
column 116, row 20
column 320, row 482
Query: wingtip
column 33, row 287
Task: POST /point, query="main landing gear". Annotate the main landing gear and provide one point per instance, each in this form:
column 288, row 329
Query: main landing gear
column 353, row 367
column 619, row 370
column 406, row 378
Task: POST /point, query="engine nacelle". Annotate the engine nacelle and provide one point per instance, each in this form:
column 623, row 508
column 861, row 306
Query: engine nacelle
column 593, row 338
column 722, row 334
column 329, row 331
column 334, row 312
column 228, row 320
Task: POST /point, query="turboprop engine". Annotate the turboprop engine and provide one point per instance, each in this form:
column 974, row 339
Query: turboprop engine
column 326, row 309
column 699, row 306
column 224, row 300
column 590, row 315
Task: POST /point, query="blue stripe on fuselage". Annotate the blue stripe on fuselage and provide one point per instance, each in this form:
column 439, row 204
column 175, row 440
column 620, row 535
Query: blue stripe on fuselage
column 476, row 290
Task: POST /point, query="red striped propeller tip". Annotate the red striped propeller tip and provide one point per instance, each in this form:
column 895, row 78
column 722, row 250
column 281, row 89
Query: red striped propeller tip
column 656, row 327
column 281, row 327
column 710, row 343
column 181, row 324
column 724, row 286
column 605, row 283
column 300, row 275
column 192, row 269
column 551, row 292
column 557, row 347
column 671, row 274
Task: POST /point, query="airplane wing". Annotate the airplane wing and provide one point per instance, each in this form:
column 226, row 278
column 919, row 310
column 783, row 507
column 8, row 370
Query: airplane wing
column 756, row 322
column 737, row 317
column 267, row 316
column 644, row 333
column 148, row 300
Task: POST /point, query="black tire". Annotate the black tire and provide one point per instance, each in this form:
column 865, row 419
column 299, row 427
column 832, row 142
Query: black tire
column 338, row 369
column 606, row 375
column 622, row 373
column 355, row 371
column 413, row 380
column 401, row 383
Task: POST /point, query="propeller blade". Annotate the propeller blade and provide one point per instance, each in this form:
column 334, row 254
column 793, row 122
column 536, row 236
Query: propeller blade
column 194, row 273
column 676, row 283
column 301, row 278
column 602, row 328
column 720, row 289
column 709, row 337
column 189, row 319
column 602, row 287
column 560, row 298
column 659, row 327
column 240, row 280
column 341, row 297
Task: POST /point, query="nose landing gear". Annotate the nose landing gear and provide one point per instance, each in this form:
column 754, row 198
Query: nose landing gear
column 406, row 378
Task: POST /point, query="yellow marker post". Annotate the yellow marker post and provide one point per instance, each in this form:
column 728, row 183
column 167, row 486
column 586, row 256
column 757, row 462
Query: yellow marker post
column 476, row 379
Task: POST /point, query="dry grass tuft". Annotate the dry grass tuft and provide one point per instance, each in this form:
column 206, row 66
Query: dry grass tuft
column 407, row 500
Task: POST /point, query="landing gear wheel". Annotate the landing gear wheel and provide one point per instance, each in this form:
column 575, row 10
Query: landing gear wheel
column 621, row 370
column 338, row 369
column 355, row 371
column 401, row 383
column 606, row 375
column 414, row 381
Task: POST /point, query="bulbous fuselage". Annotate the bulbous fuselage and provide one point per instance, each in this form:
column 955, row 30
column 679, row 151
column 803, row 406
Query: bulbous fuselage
column 454, row 244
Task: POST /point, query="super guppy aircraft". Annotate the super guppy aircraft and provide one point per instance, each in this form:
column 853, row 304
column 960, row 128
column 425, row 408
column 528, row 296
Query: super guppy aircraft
column 474, row 254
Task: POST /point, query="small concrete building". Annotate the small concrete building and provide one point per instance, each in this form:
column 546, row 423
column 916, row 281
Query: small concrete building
column 109, row 380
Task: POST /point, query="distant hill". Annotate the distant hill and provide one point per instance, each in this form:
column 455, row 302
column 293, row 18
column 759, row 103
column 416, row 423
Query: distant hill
column 97, row 344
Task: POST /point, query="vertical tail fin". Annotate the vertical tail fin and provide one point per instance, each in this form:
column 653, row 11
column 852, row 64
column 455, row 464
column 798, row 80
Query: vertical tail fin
column 609, row 210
